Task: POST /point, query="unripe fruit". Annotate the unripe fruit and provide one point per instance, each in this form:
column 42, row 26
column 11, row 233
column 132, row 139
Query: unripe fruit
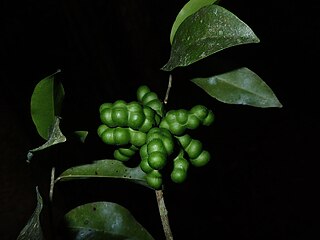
column 200, row 111
column 157, row 153
column 201, row 160
column 143, row 126
column 176, row 128
column 155, row 145
column 136, row 119
column 181, row 163
column 101, row 129
column 134, row 106
column 164, row 135
column 104, row 105
column 178, row 175
column 193, row 122
column 209, row 119
column 141, row 91
column 157, row 160
column 154, row 179
column 120, row 116
column 144, row 165
column 124, row 154
column 182, row 116
column 180, row 168
column 157, row 106
column 132, row 115
column 150, row 99
column 106, row 117
column 184, row 140
column 137, row 138
column 119, row 103
column 194, row 148
column 121, row 136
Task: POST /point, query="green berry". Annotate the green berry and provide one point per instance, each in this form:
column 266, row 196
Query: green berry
column 184, row 140
column 178, row 175
column 156, row 145
column 144, row 165
column 136, row 119
column 106, row 117
column 134, row 106
column 182, row 116
column 193, row 122
column 200, row 111
column 176, row 128
column 181, row 163
column 119, row 103
column 121, row 136
column 101, row 129
column 120, row 116
column 209, row 119
column 194, row 148
column 154, row 179
column 201, row 160
column 107, row 136
column 104, row 106
column 137, row 138
column 148, row 97
column 124, row 154
column 157, row 160
column 142, row 91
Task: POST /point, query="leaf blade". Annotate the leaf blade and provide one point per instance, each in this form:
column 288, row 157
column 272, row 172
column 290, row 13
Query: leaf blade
column 209, row 30
column 188, row 9
column 33, row 229
column 56, row 137
column 46, row 103
column 240, row 86
column 104, row 220
column 106, row 168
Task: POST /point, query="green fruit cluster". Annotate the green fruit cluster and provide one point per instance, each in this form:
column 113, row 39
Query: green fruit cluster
column 178, row 121
column 143, row 126
column 150, row 99
column 132, row 115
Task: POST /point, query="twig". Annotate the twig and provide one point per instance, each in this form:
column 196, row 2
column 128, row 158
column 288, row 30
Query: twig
column 165, row 101
column 159, row 193
column 53, row 170
column 164, row 215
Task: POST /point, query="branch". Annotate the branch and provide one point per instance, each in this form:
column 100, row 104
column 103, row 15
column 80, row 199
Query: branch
column 159, row 193
column 165, row 101
column 164, row 215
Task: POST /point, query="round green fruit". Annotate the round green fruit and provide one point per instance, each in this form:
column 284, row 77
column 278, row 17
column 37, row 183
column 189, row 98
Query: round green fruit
column 178, row 175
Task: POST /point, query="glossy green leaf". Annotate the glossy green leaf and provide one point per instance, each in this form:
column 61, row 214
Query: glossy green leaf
column 33, row 229
column 56, row 136
column 105, row 169
column 46, row 102
column 104, row 220
column 209, row 30
column 188, row 9
column 240, row 86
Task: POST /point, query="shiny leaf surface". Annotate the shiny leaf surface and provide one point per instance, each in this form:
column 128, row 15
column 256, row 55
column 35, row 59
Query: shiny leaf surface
column 46, row 102
column 240, row 86
column 106, row 169
column 104, row 220
column 209, row 30
column 188, row 9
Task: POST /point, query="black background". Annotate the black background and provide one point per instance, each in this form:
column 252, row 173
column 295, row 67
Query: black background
column 259, row 184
